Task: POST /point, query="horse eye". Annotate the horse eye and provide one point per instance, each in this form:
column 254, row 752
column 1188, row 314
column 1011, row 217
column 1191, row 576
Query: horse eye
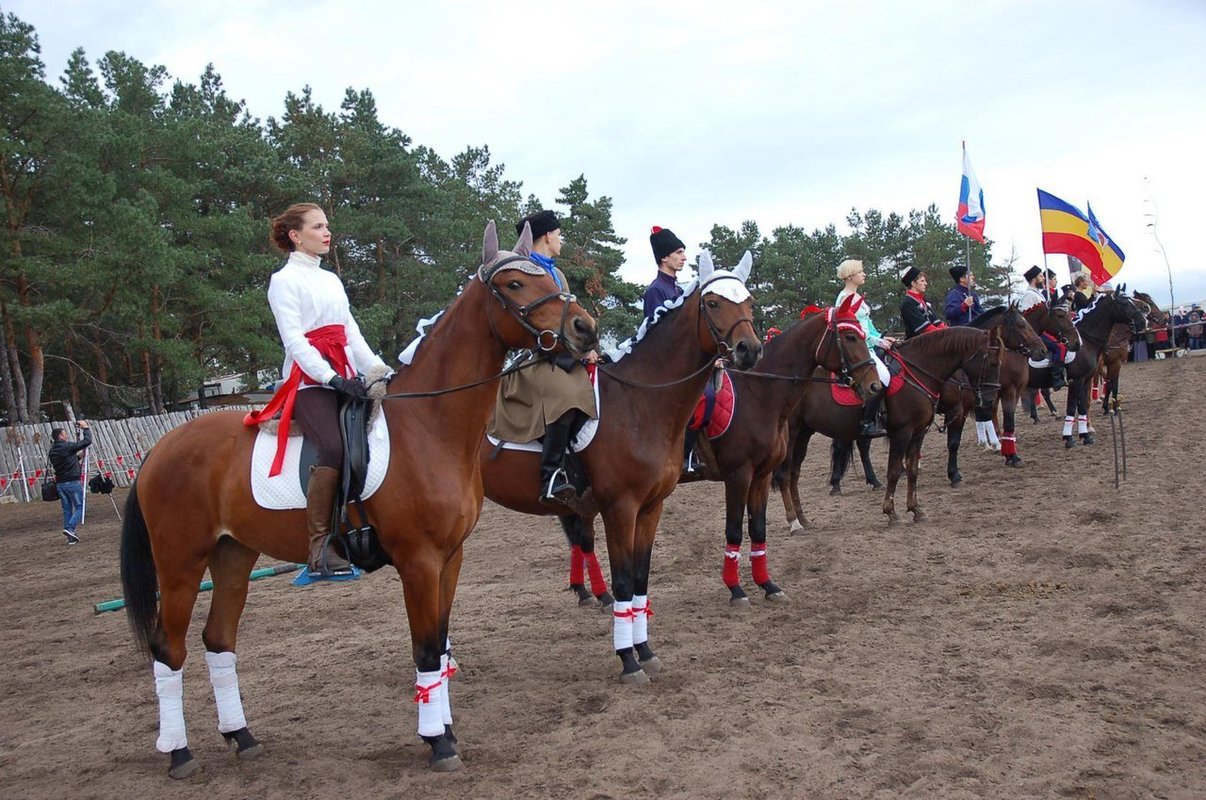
column 514, row 285
column 713, row 304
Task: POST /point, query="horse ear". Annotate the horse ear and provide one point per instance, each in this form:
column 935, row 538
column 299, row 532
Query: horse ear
column 523, row 246
column 845, row 306
column 705, row 266
column 743, row 266
column 489, row 243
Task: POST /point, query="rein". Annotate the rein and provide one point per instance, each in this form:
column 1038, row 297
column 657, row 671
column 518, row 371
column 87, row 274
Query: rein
column 437, row 392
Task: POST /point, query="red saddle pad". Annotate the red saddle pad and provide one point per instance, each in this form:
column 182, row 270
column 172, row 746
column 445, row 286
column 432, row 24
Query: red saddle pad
column 722, row 412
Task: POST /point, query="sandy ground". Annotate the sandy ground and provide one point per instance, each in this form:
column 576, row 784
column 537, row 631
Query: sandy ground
column 1040, row 636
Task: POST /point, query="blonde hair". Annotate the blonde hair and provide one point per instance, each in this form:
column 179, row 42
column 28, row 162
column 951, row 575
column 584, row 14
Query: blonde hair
column 1082, row 278
column 850, row 266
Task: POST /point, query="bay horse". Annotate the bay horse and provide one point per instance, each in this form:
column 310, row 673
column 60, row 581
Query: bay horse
column 959, row 397
column 1019, row 380
column 192, row 505
column 646, row 396
column 1094, row 324
column 927, row 362
column 1120, row 346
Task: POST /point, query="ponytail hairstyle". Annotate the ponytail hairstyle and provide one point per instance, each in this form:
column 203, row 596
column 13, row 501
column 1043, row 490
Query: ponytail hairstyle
column 290, row 220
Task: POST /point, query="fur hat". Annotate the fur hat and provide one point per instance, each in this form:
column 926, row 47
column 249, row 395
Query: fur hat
column 957, row 273
column 909, row 274
column 542, row 222
column 1032, row 273
column 664, row 242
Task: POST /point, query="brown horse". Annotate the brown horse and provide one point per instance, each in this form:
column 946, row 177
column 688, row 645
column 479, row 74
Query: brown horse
column 646, row 396
column 192, row 505
column 927, row 362
column 1019, row 379
column 959, row 397
column 1119, row 346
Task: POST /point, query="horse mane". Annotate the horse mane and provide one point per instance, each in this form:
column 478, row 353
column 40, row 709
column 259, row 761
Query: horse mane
column 938, row 340
column 1089, row 309
column 988, row 318
column 626, row 347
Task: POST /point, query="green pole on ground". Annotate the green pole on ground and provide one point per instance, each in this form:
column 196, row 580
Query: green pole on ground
column 265, row 572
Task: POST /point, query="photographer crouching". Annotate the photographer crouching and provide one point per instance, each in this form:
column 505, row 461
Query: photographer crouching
column 65, row 458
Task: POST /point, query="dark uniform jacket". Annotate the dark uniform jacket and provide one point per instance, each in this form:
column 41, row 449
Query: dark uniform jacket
column 918, row 316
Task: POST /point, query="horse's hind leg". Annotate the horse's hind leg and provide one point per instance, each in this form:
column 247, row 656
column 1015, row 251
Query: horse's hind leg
column 230, row 565
column 839, row 462
column 954, row 437
column 864, row 455
column 797, row 456
column 598, row 583
column 646, row 530
column 178, row 595
column 912, row 465
column 572, row 525
column 759, row 494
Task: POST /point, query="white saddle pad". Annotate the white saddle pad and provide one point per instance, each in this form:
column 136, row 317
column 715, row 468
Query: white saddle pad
column 580, row 443
column 284, row 491
column 1039, row 363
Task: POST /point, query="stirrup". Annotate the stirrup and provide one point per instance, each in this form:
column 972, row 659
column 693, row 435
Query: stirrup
column 871, row 430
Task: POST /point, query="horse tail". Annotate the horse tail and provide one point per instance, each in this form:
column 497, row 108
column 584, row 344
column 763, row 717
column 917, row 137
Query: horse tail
column 139, row 580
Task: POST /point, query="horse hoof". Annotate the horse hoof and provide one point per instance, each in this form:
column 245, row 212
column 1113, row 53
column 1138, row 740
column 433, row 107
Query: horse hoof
column 875, row 486
column 796, row 527
column 449, row 764
column 1087, row 440
column 739, row 602
column 836, row 490
column 651, row 666
column 637, row 678
column 893, row 519
column 587, row 602
column 956, row 479
column 605, row 600
column 1013, row 461
column 778, row 596
column 1069, row 443
column 918, row 516
column 183, row 765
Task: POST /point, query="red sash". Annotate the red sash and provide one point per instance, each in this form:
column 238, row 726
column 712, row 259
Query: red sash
column 331, row 343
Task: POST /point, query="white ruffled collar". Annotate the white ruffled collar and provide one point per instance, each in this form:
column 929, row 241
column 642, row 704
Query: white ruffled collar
column 303, row 260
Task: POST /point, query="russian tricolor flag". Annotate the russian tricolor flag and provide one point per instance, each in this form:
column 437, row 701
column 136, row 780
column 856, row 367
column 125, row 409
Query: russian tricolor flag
column 970, row 217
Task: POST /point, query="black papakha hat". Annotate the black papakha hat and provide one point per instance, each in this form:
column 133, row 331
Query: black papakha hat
column 909, row 274
column 957, row 273
column 1032, row 273
column 1050, row 274
column 664, row 242
column 542, row 222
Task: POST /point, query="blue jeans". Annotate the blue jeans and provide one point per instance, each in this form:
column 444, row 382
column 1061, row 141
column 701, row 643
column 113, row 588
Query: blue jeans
column 71, row 496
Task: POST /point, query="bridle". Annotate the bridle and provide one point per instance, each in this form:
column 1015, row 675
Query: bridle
column 546, row 340
column 1050, row 311
column 720, row 339
column 833, row 328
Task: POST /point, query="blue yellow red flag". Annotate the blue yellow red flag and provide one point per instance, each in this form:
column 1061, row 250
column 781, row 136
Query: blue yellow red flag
column 1066, row 230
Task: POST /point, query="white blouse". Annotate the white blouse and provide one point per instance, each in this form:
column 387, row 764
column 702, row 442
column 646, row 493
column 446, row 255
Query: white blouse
column 304, row 296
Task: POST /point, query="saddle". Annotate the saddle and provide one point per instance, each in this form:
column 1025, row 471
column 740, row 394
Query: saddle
column 716, row 408
column 360, row 542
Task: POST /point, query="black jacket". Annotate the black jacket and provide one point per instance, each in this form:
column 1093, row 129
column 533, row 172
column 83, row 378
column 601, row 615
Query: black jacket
column 64, row 458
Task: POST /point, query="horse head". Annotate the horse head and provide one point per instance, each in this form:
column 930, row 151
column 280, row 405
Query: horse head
column 984, row 368
column 1058, row 323
column 1155, row 317
column 1018, row 334
column 727, row 309
column 1124, row 310
column 843, row 349
column 526, row 292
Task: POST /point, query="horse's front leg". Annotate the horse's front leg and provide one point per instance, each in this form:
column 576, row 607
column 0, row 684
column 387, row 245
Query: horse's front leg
column 1008, row 398
column 646, row 530
column 736, row 487
column 1070, row 413
column 449, row 577
column 912, row 464
column 620, row 522
column 756, row 501
column 423, row 587
column 897, row 441
column 839, row 462
column 954, row 436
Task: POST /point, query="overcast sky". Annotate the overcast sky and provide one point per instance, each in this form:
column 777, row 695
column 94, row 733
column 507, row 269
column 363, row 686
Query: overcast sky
column 693, row 113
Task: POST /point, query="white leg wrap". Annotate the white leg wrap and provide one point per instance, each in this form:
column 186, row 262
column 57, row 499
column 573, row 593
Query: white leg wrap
column 991, row 431
column 446, row 672
column 981, row 436
column 169, row 685
column 225, row 680
column 451, row 661
column 1082, row 424
column 621, row 632
column 640, row 619
column 1068, row 425
column 428, row 687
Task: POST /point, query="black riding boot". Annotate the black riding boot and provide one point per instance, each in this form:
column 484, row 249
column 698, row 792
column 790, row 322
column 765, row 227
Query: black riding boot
column 871, row 427
column 555, row 487
column 1059, row 375
column 690, row 459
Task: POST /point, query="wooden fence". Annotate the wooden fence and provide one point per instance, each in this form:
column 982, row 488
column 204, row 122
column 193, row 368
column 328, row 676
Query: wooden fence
column 118, row 449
